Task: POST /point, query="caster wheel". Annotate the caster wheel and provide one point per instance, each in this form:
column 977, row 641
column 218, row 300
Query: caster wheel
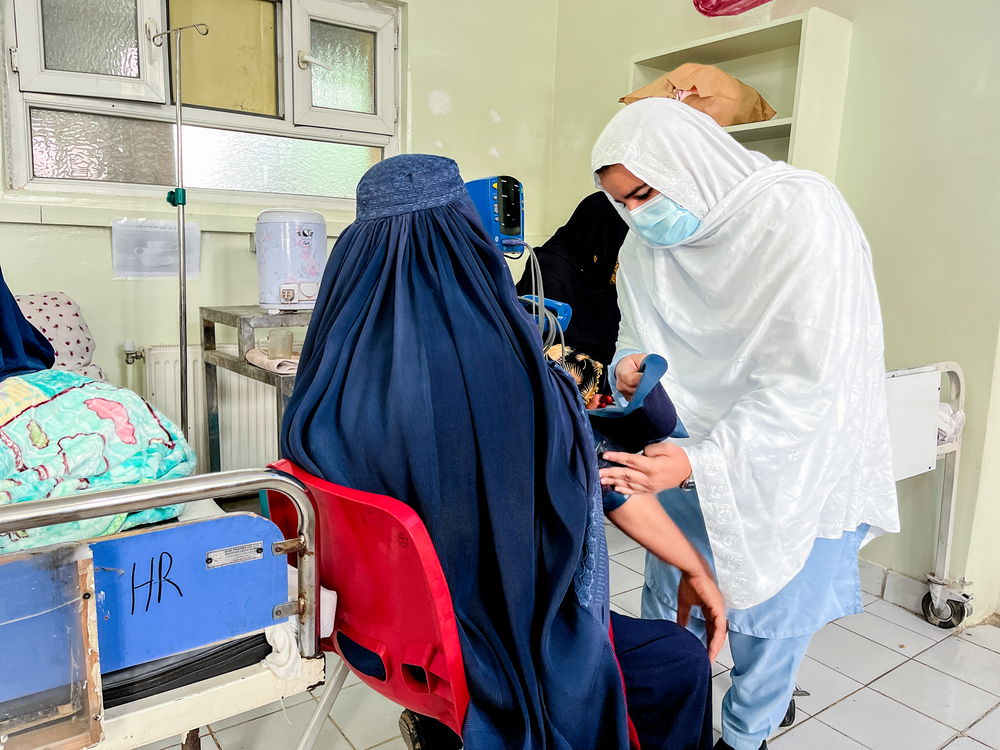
column 957, row 609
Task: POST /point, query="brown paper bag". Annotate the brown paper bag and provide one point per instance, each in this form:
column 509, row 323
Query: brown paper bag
column 725, row 99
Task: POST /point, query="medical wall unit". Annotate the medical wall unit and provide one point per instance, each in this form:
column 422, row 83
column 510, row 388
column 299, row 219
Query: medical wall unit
column 500, row 203
column 798, row 63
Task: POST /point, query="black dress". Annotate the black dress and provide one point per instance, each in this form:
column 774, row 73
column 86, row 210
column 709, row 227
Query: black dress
column 578, row 267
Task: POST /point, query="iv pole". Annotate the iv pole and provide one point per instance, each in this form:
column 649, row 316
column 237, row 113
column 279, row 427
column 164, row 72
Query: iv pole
column 178, row 198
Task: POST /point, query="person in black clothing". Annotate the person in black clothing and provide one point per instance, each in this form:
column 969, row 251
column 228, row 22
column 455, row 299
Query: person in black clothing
column 579, row 264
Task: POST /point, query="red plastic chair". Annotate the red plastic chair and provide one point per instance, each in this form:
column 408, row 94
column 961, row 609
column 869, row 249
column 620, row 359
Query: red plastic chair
column 395, row 626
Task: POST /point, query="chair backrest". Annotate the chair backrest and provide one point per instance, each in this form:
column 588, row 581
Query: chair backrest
column 395, row 624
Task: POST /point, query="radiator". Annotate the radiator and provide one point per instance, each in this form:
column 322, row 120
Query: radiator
column 247, row 412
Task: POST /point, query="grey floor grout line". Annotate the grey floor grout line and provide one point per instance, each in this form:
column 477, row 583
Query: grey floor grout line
column 958, row 733
column 890, row 648
column 809, row 717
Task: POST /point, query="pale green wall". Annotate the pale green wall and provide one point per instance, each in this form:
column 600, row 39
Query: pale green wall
column 498, row 120
column 919, row 164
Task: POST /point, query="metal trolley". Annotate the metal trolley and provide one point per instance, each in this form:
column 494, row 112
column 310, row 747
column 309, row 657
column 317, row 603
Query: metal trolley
column 914, row 398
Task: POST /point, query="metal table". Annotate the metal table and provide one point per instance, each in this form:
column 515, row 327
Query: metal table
column 245, row 319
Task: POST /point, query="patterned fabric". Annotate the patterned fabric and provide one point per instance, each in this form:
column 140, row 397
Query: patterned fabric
column 63, row 433
column 586, row 372
column 61, row 321
column 428, row 182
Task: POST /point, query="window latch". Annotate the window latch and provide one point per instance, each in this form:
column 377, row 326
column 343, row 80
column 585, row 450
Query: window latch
column 13, row 59
column 306, row 59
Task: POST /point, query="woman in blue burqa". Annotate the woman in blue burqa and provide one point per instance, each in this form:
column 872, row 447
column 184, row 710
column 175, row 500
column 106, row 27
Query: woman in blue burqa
column 422, row 378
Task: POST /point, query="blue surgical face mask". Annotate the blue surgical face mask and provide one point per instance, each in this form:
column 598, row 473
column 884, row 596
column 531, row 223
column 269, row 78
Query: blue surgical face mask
column 660, row 221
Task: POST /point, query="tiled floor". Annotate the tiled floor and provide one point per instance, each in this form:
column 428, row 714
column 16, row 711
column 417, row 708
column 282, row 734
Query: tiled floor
column 883, row 680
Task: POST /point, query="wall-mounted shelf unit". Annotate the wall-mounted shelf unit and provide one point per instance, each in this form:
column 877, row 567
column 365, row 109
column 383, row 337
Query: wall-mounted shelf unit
column 799, row 64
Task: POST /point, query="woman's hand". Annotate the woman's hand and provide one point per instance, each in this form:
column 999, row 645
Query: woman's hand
column 662, row 466
column 627, row 375
column 699, row 589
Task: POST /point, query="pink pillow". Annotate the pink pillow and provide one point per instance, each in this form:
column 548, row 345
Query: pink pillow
column 60, row 320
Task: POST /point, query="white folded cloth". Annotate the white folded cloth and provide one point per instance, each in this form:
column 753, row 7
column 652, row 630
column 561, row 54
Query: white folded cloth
column 285, row 366
column 284, row 659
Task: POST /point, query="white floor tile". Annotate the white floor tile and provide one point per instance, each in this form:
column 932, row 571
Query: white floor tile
column 904, row 591
column 801, row 716
column 987, row 636
column 634, row 559
column 720, row 686
column 987, row 731
column 867, row 598
column 280, row 730
column 907, row 619
column 851, row 654
column 257, row 713
column 396, row 744
column 725, row 656
column 813, row 735
column 332, row 662
column 825, row 685
column 935, row 694
column 966, row 661
column 886, row 633
column 872, row 577
column 630, row 601
column 624, row 579
column 619, row 610
column 965, row 743
column 170, row 743
column 879, row 722
column 618, row 540
column 365, row 716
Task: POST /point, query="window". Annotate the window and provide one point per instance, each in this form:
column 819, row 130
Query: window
column 281, row 97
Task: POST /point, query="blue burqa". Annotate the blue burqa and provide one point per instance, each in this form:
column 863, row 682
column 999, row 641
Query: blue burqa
column 422, row 378
column 22, row 347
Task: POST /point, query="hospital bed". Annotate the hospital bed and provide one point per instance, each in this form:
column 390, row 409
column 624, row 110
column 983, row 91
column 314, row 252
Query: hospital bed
column 118, row 610
column 915, row 398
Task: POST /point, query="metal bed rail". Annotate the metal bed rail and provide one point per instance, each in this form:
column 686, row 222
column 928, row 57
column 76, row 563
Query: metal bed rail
column 32, row 514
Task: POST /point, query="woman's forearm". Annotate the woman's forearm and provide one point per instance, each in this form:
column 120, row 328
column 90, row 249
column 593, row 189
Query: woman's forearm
column 645, row 521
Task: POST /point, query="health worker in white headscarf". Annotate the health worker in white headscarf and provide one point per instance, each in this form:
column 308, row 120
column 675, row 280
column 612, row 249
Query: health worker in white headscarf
column 754, row 281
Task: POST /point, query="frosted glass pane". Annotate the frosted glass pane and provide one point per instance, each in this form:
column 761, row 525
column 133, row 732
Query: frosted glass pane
column 351, row 54
column 242, row 56
column 232, row 160
column 78, row 146
column 91, row 36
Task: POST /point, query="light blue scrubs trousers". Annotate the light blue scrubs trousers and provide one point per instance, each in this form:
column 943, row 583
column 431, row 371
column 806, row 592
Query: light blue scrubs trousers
column 769, row 640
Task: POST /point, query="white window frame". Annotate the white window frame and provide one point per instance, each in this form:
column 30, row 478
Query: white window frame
column 19, row 102
column 377, row 21
column 29, row 57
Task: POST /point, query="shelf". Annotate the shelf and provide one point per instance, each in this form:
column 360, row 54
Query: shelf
column 779, row 127
column 786, row 32
column 798, row 64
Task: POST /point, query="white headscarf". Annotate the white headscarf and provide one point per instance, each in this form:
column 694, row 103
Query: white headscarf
column 769, row 319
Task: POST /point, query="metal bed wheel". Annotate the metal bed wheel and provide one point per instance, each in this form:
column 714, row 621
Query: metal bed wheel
column 956, row 612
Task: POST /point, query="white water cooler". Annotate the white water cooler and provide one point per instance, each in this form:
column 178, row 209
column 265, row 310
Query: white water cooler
column 291, row 256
